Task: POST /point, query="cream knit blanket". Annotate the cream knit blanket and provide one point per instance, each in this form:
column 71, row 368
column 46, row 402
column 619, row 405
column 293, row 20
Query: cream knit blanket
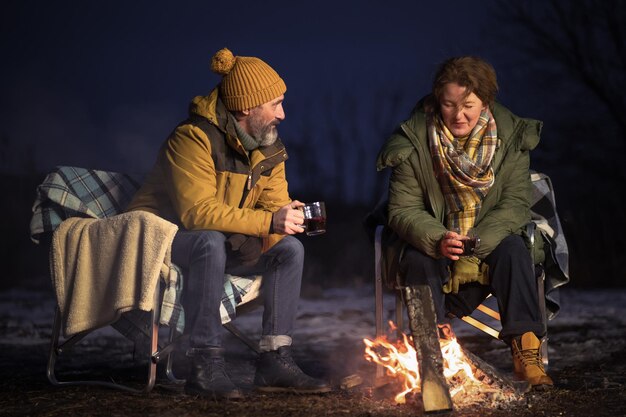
column 104, row 267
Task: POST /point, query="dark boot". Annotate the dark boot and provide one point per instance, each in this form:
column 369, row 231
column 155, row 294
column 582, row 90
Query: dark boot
column 277, row 372
column 208, row 377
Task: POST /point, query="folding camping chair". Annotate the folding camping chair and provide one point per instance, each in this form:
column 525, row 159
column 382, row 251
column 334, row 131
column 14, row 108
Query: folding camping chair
column 78, row 192
column 544, row 217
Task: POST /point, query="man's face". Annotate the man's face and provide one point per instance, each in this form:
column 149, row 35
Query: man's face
column 459, row 113
column 263, row 119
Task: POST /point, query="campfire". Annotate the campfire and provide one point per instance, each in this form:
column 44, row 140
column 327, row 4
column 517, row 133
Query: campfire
column 470, row 379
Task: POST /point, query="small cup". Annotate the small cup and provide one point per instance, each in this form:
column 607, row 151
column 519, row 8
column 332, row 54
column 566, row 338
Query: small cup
column 469, row 245
column 314, row 218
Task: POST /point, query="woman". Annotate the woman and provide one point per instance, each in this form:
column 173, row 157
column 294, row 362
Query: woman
column 460, row 169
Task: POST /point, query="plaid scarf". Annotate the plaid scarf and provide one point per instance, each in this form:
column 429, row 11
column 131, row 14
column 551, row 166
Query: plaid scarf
column 463, row 168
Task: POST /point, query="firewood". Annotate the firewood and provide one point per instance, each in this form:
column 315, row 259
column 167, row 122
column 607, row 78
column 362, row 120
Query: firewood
column 494, row 375
column 351, row 381
column 423, row 325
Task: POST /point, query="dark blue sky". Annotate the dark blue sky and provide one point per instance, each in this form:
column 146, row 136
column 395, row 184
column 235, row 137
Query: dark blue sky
column 101, row 84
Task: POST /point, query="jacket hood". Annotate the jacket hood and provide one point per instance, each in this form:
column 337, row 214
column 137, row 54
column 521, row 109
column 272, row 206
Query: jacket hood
column 209, row 107
column 520, row 132
column 404, row 140
column 509, row 124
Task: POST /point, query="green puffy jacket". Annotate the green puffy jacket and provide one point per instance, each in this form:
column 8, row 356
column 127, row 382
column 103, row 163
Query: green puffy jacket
column 416, row 209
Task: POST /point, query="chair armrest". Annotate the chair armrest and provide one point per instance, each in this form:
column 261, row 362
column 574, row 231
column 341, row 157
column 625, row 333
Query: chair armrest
column 530, row 229
column 530, row 232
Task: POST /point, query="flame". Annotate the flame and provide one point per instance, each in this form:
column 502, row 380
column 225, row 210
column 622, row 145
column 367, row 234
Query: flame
column 400, row 361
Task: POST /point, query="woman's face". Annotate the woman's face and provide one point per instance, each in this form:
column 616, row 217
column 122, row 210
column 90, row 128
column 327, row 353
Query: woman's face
column 459, row 113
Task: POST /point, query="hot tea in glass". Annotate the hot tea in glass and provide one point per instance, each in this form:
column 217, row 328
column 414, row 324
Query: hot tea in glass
column 314, row 218
column 469, row 246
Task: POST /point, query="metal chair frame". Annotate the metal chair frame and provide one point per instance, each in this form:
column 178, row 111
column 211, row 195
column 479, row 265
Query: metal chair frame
column 159, row 351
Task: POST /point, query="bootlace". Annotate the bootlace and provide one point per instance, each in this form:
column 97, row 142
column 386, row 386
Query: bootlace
column 530, row 357
column 215, row 365
column 290, row 363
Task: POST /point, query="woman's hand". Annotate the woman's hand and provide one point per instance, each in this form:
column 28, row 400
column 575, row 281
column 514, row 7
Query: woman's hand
column 451, row 246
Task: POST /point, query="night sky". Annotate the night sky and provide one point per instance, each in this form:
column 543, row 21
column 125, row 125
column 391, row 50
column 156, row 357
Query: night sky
column 101, row 84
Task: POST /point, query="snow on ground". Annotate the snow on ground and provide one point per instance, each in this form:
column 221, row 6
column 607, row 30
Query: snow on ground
column 591, row 322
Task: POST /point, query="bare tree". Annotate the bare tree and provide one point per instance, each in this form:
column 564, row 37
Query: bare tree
column 585, row 38
column 582, row 41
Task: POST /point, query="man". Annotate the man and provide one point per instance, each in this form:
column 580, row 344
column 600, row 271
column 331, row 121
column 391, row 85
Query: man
column 460, row 167
column 221, row 177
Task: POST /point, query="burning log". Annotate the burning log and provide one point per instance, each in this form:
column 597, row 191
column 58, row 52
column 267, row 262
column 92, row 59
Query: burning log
column 489, row 375
column 469, row 380
column 350, row 381
column 423, row 325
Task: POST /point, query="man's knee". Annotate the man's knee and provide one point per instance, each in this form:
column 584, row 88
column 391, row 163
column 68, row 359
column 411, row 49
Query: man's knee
column 208, row 243
column 290, row 248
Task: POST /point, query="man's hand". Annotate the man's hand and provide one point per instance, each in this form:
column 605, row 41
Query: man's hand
column 451, row 246
column 288, row 219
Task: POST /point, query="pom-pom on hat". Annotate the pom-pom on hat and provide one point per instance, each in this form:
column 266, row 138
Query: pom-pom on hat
column 247, row 82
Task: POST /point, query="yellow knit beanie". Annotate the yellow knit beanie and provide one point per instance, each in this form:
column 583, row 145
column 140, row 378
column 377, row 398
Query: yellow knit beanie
column 247, row 82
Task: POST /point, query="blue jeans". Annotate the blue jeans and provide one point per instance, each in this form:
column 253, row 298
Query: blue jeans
column 202, row 256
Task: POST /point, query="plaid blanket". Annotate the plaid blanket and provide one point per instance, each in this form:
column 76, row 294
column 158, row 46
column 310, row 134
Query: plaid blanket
column 79, row 192
column 545, row 216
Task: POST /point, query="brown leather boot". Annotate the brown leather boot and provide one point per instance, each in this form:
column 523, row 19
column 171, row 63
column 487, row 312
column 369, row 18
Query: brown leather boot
column 527, row 361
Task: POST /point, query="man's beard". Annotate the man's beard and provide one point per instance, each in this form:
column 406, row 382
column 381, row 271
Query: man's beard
column 264, row 134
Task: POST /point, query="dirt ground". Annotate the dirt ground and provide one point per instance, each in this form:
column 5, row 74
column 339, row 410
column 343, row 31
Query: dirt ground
column 587, row 345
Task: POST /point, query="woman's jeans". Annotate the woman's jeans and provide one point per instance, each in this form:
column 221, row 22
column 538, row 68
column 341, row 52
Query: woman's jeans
column 202, row 256
column 512, row 282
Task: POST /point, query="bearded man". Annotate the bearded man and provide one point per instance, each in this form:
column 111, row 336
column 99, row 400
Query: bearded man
column 220, row 176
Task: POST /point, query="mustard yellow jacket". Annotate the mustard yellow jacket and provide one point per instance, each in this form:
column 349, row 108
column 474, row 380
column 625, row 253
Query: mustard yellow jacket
column 204, row 179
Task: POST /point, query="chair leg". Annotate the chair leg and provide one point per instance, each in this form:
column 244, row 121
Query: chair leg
column 56, row 349
column 399, row 315
column 378, row 283
column 542, row 310
column 241, row 336
column 378, row 286
column 173, row 343
column 54, row 344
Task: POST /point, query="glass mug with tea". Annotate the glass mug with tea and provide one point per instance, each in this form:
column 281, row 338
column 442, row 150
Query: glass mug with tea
column 314, row 218
column 470, row 243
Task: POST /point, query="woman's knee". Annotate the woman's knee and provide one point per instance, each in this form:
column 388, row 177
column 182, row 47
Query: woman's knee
column 419, row 268
column 512, row 247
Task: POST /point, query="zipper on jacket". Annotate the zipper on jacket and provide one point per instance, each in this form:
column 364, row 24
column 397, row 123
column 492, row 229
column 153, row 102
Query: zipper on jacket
column 249, row 180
